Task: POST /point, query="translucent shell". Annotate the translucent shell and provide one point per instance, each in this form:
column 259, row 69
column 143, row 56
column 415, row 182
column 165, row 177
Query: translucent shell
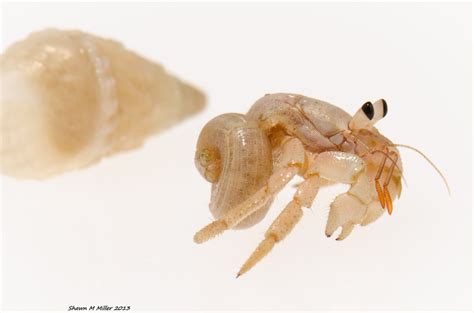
column 236, row 156
column 69, row 98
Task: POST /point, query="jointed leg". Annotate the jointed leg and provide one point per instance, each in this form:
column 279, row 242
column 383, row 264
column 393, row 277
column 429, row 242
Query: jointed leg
column 285, row 222
column 249, row 206
column 359, row 205
column 380, row 193
column 349, row 208
column 388, row 198
column 346, row 211
column 384, row 195
column 292, row 160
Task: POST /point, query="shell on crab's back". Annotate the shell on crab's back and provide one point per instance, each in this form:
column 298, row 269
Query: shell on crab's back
column 246, row 163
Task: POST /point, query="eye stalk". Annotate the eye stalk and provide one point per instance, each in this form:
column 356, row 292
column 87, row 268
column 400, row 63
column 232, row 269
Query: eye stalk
column 369, row 114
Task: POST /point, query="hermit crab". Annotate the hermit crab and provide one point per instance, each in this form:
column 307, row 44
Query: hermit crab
column 69, row 98
column 250, row 158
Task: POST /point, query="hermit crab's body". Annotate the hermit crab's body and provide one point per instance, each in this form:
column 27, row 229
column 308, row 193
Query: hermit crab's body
column 249, row 158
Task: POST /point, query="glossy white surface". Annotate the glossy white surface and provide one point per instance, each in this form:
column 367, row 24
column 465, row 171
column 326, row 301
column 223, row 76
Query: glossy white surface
column 120, row 232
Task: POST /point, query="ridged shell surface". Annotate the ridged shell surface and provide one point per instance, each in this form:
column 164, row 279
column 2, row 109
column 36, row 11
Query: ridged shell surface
column 246, row 163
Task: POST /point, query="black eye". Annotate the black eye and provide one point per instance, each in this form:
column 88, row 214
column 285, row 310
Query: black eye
column 385, row 109
column 368, row 109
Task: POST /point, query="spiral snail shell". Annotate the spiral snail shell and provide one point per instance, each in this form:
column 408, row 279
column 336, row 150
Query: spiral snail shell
column 69, row 98
column 235, row 155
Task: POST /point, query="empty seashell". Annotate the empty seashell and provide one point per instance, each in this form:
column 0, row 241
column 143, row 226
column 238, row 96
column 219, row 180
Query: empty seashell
column 69, row 98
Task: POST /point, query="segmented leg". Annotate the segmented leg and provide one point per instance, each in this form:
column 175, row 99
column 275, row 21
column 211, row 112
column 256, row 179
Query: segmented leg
column 291, row 161
column 380, row 193
column 285, row 221
column 349, row 208
column 388, row 198
column 346, row 211
column 359, row 205
column 384, row 194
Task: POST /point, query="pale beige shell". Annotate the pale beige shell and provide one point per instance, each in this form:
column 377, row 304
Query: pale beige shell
column 69, row 98
column 236, row 156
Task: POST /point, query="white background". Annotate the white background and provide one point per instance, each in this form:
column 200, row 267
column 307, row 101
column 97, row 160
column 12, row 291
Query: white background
column 120, row 232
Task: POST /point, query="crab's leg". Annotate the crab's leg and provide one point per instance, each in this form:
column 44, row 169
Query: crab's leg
column 388, row 198
column 285, row 222
column 291, row 161
column 380, row 193
column 349, row 208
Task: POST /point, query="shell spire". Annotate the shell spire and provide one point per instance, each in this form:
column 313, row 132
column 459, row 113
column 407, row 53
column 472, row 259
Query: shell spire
column 69, row 98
